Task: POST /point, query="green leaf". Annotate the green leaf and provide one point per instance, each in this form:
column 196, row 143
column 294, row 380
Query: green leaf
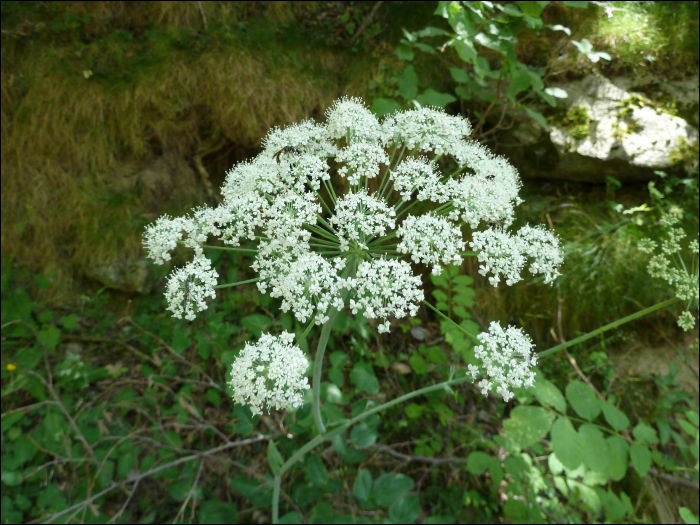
column 338, row 359
column 50, row 335
column 431, row 31
column 256, row 323
column 614, row 416
column 404, row 52
column 618, row 449
column 538, row 117
column 548, row 394
column 459, row 75
column 478, row 462
column 496, row 470
column 597, row 453
column 292, row 518
column 645, row 434
column 413, row 411
column 426, row 48
column 274, row 457
column 385, row 106
column 519, row 82
column 527, row 425
column 363, row 485
column 418, row 363
column 318, row 474
column 687, row 515
column 213, row 397
column 362, row 376
column 69, row 321
column 336, row 375
column 408, row 83
column 126, row 464
column 363, row 435
column 568, row 444
column 390, row 487
column 405, row 509
column 641, row 459
column 583, row 400
column 212, row 512
column 180, row 489
column 465, row 50
column 430, row 97
column 576, row 3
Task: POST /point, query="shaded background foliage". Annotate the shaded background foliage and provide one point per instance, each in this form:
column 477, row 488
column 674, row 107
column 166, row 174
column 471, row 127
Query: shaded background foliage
column 114, row 113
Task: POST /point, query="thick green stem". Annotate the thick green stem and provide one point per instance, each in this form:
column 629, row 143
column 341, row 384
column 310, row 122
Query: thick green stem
column 350, row 270
column 614, row 324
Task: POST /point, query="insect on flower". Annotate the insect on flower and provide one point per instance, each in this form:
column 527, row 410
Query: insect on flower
column 187, row 294
column 284, row 151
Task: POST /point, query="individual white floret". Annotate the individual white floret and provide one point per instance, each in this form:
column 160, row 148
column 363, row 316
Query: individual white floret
column 307, row 137
column 507, row 360
column 362, row 159
column 308, row 286
column 360, row 217
column 270, row 374
column 544, row 251
column 162, row 237
column 431, row 240
column 386, row 288
column 188, row 288
column 418, row 175
column 426, row 129
column 349, row 118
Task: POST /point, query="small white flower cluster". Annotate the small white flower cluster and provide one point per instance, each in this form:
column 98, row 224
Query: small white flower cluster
column 669, row 266
column 188, row 287
column 386, row 288
column 360, row 217
column 362, row 160
column 417, row 174
column 503, row 254
column 270, row 373
column 431, row 240
column 426, row 129
column 508, row 359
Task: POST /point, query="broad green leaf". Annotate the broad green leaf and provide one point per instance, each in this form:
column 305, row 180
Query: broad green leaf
column 126, row 464
column 363, row 485
column 430, row 97
column 274, row 457
column 614, row 416
column 431, row 31
column 404, row 52
column 641, row 459
column 256, row 323
column 292, row 518
column 362, row 376
column 390, row 487
column 583, row 400
column 181, row 489
column 363, row 435
column 496, row 470
column 408, row 83
column 413, row 411
column 478, row 462
column 537, row 117
column 519, row 82
column 69, row 321
column 336, row 375
column 212, row 512
column 645, row 434
column 693, row 417
column 50, row 335
column 244, row 485
column 405, row 509
column 385, row 106
column 459, row 75
column 568, row 444
column 664, row 429
column 338, row 359
column 688, row 516
column 465, row 50
column 587, row 495
column 690, row 429
column 548, row 394
column 426, row 48
column 418, row 363
column 528, row 424
column 618, row 449
column 597, row 453
column 318, row 474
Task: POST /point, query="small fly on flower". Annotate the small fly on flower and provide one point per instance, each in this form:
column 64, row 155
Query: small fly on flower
column 284, row 151
column 187, row 294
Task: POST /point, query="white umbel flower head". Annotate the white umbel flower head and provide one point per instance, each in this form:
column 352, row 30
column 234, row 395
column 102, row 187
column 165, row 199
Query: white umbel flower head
column 544, row 251
column 270, row 374
column 349, row 118
column 426, row 129
column 162, row 237
column 431, row 240
column 362, row 159
column 418, row 175
column 507, row 357
column 386, row 288
column 360, row 217
column 188, row 288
